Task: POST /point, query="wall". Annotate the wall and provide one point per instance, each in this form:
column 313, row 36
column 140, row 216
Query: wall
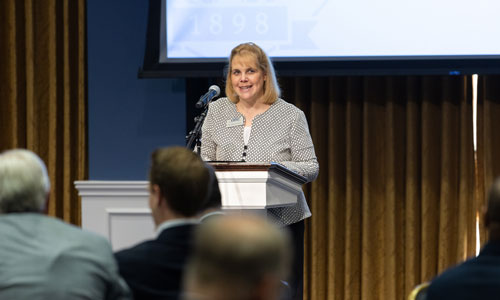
column 128, row 117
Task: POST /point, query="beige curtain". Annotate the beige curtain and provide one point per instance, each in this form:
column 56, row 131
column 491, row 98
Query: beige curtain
column 393, row 204
column 43, row 91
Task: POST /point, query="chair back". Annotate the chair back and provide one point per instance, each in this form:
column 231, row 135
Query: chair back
column 419, row 292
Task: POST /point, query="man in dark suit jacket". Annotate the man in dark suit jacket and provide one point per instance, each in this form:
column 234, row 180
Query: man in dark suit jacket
column 179, row 185
column 479, row 277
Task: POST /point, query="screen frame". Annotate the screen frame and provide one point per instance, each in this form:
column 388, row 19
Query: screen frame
column 322, row 66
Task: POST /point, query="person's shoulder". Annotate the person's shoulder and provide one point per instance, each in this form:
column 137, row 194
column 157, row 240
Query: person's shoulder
column 57, row 227
column 135, row 255
column 177, row 237
column 171, row 244
column 70, row 238
column 287, row 111
column 220, row 103
column 287, row 106
column 136, row 250
column 451, row 282
column 61, row 234
column 454, row 274
column 77, row 233
column 85, row 240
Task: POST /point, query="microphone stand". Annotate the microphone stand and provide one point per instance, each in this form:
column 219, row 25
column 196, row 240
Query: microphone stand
column 195, row 134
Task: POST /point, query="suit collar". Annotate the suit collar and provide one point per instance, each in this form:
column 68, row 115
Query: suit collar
column 175, row 223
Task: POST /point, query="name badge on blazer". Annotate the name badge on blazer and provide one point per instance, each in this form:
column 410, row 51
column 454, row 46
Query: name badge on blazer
column 234, row 122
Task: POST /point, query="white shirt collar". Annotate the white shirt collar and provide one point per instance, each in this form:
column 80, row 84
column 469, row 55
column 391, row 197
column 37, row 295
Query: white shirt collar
column 174, row 223
column 213, row 213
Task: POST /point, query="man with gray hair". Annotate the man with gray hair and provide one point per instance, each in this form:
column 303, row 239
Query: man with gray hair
column 238, row 257
column 42, row 257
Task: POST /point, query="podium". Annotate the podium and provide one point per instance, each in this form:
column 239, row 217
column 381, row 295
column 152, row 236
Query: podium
column 250, row 186
column 119, row 210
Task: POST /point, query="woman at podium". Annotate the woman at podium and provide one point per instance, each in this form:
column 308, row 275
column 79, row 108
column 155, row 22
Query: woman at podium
column 254, row 124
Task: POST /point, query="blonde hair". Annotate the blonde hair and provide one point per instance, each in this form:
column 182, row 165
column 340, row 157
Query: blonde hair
column 271, row 87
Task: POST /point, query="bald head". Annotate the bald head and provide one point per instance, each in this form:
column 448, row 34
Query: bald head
column 24, row 183
column 237, row 256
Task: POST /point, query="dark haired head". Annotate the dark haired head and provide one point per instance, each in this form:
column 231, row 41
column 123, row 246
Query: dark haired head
column 214, row 200
column 182, row 178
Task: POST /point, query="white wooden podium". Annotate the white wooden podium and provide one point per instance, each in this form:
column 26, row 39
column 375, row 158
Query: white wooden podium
column 253, row 186
column 119, row 210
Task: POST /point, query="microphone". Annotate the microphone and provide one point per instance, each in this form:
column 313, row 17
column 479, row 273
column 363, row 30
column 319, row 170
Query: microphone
column 213, row 92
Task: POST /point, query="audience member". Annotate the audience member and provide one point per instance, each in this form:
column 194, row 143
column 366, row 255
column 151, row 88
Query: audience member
column 179, row 188
column 213, row 207
column 238, row 257
column 479, row 277
column 43, row 257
